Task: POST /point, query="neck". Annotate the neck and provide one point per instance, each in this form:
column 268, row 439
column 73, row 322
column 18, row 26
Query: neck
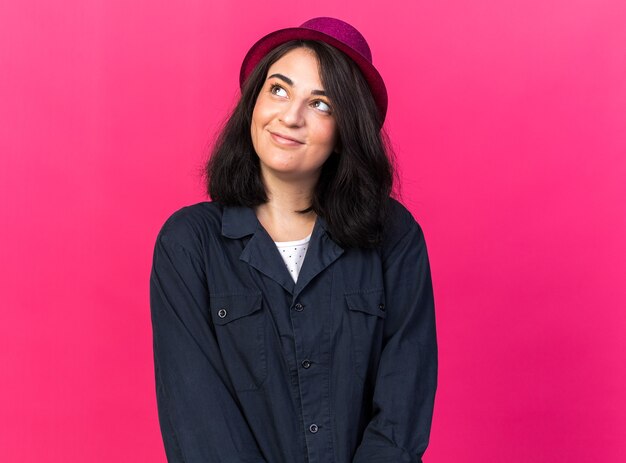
column 278, row 214
column 286, row 195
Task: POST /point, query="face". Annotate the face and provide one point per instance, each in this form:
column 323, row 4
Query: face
column 293, row 127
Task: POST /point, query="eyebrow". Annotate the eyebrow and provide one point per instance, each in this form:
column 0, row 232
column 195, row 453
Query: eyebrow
column 290, row 82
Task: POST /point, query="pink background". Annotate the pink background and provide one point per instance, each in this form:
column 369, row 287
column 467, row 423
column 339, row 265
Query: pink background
column 509, row 122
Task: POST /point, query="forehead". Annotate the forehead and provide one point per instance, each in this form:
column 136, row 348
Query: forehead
column 299, row 64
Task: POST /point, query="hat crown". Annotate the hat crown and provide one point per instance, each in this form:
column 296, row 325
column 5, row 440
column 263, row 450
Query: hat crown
column 342, row 31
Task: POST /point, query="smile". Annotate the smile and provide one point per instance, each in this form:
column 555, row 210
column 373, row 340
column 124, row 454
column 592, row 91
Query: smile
column 284, row 141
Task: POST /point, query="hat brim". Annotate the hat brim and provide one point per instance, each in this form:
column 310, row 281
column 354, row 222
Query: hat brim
column 270, row 41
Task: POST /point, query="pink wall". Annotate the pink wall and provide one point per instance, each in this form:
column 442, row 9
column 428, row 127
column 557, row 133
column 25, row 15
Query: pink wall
column 509, row 120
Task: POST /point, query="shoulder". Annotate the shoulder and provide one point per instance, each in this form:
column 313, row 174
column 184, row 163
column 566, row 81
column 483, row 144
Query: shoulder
column 399, row 219
column 190, row 227
column 400, row 225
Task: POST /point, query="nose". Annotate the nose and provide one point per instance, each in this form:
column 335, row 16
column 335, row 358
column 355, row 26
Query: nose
column 292, row 114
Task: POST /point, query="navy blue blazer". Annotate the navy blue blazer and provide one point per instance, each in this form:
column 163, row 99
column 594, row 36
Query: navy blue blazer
column 340, row 366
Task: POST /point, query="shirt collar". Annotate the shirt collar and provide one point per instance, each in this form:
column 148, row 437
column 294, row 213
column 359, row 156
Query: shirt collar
column 239, row 221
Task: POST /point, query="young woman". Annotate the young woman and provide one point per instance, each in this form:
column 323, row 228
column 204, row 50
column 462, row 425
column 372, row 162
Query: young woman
column 293, row 314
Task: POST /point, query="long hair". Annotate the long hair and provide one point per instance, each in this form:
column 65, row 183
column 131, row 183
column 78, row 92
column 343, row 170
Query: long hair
column 357, row 179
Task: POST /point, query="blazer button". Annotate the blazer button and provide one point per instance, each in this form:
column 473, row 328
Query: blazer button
column 306, row 363
column 313, row 428
column 221, row 313
column 381, row 306
column 299, row 307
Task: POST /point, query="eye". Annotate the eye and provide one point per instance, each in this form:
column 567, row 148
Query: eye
column 322, row 105
column 274, row 88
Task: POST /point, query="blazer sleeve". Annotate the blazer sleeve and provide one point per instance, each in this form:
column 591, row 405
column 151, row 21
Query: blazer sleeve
column 406, row 380
column 199, row 416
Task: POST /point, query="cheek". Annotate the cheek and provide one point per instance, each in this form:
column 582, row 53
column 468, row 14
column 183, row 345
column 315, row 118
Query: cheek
column 253, row 132
column 328, row 134
column 257, row 113
column 262, row 110
column 256, row 127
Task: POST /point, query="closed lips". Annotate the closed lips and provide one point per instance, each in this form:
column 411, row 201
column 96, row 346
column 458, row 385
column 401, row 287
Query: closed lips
column 285, row 136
